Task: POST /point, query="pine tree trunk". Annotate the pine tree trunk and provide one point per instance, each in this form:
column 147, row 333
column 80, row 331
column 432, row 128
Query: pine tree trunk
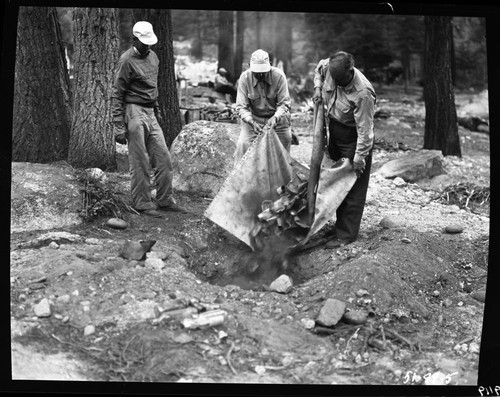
column 441, row 126
column 225, row 42
column 282, row 40
column 161, row 19
column 42, row 97
column 96, row 52
column 240, row 44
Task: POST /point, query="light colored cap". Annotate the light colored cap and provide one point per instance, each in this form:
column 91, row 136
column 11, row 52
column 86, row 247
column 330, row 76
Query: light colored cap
column 259, row 62
column 144, row 32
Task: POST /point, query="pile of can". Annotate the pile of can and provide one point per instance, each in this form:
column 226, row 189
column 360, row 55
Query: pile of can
column 289, row 210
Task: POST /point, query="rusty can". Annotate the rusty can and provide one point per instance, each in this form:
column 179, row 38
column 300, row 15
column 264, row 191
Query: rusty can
column 206, row 319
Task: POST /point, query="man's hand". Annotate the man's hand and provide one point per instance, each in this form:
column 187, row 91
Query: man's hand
column 317, row 95
column 256, row 126
column 158, row 115
column 358, row 167
column 121, row 138
column 271, row 123
column 120, row 132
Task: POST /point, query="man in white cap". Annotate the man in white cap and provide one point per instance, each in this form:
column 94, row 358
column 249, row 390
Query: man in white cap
column 135, row 113
column 262, row 101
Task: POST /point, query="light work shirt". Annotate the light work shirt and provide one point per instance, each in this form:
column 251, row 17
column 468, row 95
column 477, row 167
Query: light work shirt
column 352, row 105
column 136, row 82
column 263, row 99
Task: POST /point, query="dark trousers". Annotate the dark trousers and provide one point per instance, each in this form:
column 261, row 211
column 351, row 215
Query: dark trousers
column 227, row 89
column 342, row 143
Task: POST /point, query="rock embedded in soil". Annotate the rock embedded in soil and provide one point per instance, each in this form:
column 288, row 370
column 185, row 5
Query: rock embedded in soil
column 89, row 330
column 454, row 229
column 117, row 223
column 283, row 284
column 392, row 222
column 42, row 309
column 331, row 312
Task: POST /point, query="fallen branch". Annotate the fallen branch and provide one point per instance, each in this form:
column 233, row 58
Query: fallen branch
column 403, row 339
column 228, row 358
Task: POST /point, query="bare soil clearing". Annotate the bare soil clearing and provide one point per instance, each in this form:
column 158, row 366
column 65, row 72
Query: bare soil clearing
column 415, row 284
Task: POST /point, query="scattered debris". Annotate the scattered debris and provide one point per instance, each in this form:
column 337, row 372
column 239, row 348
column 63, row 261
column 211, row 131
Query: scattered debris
column 465, row 193
column 136, row 249
column 206, row 319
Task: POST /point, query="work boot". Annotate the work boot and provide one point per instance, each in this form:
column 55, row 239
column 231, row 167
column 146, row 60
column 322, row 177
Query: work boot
column 151, row 212
column 173, row 208
column 336, row 243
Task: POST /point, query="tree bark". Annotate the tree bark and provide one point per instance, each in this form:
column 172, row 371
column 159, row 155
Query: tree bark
column 225, row 42
column 168, row 101
column 96, row 52
column 240, row 43
column 282, row 40
column 42, row 97
column 441, row 125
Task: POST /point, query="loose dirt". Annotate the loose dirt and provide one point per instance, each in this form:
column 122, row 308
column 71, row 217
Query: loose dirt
column 414, row 283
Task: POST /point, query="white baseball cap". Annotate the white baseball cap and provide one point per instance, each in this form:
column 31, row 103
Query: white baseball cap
column 259, row 62
column 144, row 32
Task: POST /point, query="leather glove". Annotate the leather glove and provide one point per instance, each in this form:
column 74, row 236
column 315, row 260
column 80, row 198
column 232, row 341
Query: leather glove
column 271, row 123
column 121, row 138
column 358, row 167
column 317, row 95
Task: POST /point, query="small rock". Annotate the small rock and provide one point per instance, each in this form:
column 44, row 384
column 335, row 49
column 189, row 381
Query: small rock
column 53, row 245
column 63, row 299
column 117, row 223
column 93, row 241
column 355, row 317
column 398, row 181
column 406, row 240
column 154, row 263
column 331, row 312
column 460, row 304
column 398, row 373
column 65, row 319
column 260, row 369
column 221, row 334
column 447, row 302
column 75, row 292
column 283, row 284
column 474, row 348
column 392, row 222
column 464, row 348
column 22, row 297
column 58, row 316
column 134, row 263
column 308, row 323
column 453, row 229
column 479, row 296
column 436, row 293
column 362, row 292
column 89, row 330
column 69, row 273
column 42, row 309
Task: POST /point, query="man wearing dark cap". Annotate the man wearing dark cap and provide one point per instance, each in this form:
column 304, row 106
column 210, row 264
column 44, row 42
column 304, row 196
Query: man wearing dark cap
column 349, row 100
column 262, row 101
column 223, row 85
column 135, row 111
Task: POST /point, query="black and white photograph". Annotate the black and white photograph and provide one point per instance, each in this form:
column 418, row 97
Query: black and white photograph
column 188, row 208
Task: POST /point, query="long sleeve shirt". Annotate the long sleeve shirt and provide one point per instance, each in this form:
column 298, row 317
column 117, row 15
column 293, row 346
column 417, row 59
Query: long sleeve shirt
column 352, row 105
column 265, row 98
column 136, row 82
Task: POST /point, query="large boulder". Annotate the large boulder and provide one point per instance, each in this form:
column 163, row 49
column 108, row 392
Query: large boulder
column 202, row 156
column 43, row 196
column 414, row 166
